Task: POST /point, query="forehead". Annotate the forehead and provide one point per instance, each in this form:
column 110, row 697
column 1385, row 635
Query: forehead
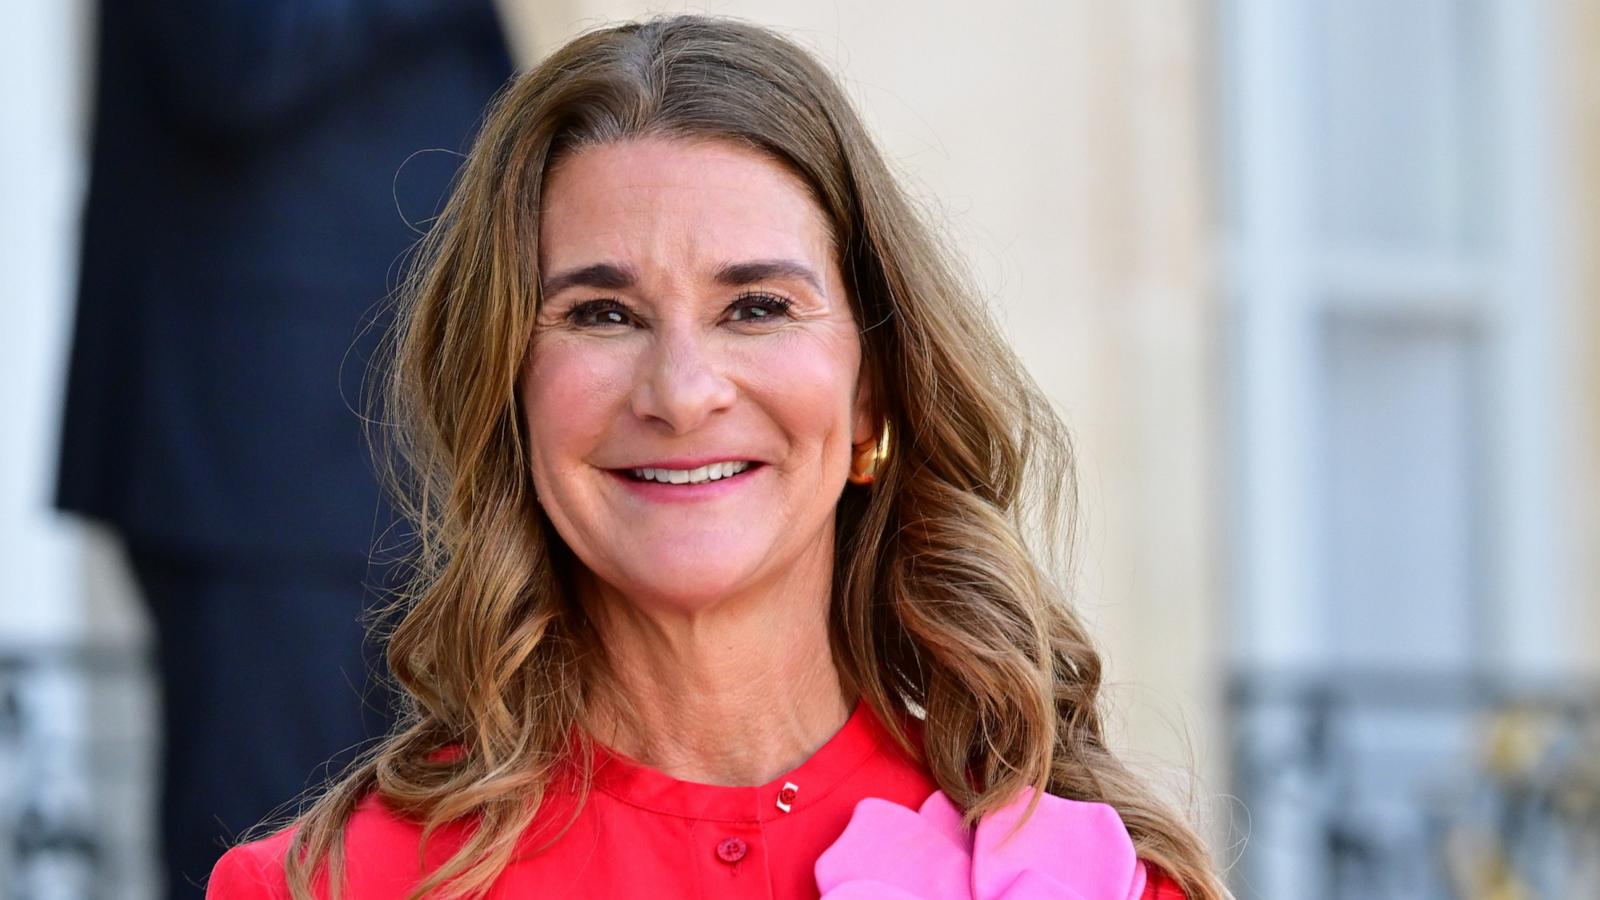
column 661, row 200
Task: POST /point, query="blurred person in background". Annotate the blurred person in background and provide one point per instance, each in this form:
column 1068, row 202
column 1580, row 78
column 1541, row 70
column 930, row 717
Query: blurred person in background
column 255, row 181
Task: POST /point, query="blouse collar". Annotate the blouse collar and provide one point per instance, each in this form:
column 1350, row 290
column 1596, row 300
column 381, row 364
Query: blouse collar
column 638, row 785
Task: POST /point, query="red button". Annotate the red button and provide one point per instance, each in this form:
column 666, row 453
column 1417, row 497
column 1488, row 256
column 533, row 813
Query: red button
column 787, row 795
column 731, row 850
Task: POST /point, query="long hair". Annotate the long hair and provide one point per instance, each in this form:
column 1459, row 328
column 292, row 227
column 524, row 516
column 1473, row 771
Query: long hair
column 941, row 605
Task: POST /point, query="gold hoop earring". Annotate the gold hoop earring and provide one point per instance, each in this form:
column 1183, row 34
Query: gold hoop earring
column 871, row 457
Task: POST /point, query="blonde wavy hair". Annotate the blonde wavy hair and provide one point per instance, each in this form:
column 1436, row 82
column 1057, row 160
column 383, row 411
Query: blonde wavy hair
column 940, row 607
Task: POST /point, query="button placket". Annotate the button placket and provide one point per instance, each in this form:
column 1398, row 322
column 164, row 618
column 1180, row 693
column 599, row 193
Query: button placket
column 734, row 854
column 731, row 849
column 787, row 795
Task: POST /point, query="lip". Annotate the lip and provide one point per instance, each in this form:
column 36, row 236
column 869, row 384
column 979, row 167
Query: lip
column 686, row 462
column 656, row 492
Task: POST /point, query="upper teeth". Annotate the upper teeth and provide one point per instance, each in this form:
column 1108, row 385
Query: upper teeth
column 692, row 476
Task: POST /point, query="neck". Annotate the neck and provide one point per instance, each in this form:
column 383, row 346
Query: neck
column 735, row 693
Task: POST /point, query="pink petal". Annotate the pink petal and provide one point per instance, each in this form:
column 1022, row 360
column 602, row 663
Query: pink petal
column 943, row 816
column 868, row 890
column 1066, row 849
column 889, row 845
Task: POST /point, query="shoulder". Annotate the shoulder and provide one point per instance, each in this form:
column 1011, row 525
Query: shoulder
column 381, row 858
column 1158, row 886
column 252, row 871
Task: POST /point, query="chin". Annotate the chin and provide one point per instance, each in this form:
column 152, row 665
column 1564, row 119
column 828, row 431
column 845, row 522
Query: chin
column 685, row 585
column 693, row 569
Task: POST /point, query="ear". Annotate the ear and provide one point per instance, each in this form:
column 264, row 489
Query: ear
column 864, row 414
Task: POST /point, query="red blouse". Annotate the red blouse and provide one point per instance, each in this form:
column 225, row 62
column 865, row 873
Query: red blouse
column 640, row 832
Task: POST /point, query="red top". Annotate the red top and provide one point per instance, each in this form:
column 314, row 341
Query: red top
column 640, row 830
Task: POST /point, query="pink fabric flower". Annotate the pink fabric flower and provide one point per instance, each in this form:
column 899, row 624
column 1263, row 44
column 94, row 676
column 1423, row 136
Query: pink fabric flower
column 1066, row 850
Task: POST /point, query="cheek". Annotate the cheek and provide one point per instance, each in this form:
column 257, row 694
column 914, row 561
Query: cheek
column 569, row 398
column 807, row 385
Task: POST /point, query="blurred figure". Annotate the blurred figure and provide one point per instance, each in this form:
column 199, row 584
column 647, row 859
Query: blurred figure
column 254, row 167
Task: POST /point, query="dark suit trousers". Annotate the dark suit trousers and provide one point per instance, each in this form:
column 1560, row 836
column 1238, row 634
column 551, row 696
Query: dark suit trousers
column 267, row 690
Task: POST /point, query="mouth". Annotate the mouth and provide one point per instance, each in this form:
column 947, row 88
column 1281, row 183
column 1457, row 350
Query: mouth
column 706, row 474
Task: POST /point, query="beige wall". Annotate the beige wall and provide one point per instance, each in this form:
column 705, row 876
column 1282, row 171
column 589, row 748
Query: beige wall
column 1578, row 74
column 1062, row 144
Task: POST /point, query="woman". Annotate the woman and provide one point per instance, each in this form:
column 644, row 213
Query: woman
column 722, row 478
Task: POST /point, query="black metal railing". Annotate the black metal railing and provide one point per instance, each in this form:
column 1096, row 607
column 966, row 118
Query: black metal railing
column 77, row 771
column 1416, row 785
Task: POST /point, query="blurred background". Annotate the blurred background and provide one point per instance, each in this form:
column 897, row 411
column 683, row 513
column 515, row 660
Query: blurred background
column 1312, row 283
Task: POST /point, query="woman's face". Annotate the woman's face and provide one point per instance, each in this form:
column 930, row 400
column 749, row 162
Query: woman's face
column 694, row 385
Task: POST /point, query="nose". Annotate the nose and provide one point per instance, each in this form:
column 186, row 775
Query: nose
column 681, row 383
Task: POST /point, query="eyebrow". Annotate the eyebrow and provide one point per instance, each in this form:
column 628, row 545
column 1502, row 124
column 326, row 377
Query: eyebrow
column 604, row 276
column 737, row 274
column 616, row 277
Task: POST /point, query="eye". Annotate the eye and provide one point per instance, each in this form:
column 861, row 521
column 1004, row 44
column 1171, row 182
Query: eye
column 599, row 314
column 754, row 307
